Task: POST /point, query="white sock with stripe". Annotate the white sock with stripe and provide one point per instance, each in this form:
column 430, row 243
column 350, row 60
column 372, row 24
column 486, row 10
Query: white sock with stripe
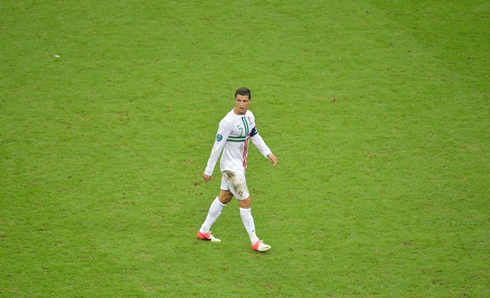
column 248, row 222
column 213, row 214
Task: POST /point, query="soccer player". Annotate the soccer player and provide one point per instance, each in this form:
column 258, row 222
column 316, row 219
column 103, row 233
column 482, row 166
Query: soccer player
column 234, row 133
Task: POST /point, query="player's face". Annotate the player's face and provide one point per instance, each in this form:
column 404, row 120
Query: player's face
column 241, row 104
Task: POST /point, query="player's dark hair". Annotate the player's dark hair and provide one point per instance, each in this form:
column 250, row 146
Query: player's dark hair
column 243, row 91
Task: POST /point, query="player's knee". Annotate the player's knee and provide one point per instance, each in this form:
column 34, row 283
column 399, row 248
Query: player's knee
column 225, row 198
column 245, row 204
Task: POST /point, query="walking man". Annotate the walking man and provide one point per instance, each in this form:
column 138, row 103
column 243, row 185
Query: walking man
column 234, row 133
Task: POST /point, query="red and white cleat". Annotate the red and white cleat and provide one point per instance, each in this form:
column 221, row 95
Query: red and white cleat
column 207, row 237
column 260, row 246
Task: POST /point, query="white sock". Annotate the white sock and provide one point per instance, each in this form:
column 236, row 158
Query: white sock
column 213, row 214
column 248, row 222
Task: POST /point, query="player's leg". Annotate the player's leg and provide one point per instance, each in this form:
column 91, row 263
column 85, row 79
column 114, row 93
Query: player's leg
column 214, row 212
column 238, row 186
column 247, row 219
column 248, row 222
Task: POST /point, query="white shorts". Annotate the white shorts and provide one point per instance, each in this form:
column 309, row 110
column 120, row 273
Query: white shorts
column 236, row 183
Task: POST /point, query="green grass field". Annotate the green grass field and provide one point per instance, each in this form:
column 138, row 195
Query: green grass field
column 378, row 112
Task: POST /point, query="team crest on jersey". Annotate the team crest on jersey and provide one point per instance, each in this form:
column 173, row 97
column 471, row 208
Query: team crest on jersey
column 249, row 120
column 219, row 137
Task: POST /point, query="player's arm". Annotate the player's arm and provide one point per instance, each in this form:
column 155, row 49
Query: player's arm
column 224, row 131
column 260, row 144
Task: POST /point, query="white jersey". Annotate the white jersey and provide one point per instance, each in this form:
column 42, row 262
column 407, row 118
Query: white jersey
column 233, row 135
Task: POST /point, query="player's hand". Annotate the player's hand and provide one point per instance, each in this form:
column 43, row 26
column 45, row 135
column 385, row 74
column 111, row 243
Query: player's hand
column 272, row 158
column 206, row 178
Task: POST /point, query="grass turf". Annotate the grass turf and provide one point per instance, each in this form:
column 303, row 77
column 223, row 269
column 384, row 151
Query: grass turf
column 377, row 110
